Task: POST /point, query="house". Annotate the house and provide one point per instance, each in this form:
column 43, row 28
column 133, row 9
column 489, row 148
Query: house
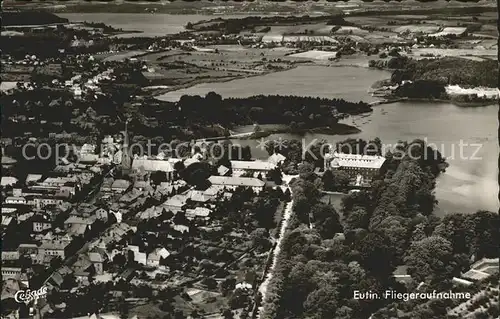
column 198, row 196
column 106, row 185
column 141, row 185
column 175, row 203
column 11, row 273
column 127, row 274
column 97, row 258
column 181, row 228
column 155, row 256
column 15, row 200
column 33, row 178
column 6, row 220
column 223, row 170
column 401, row 274
column 41, row 223
column 254, row 167
column 8, row 180
column 101, row 214
column 139, row 257
column 82, row 264
column 42, row 202
column 232, row 183
column 276, row 159
column 198, row 212
column 57, row 277
column 131, row 196
column 78, row 226
column 10, row 256
column 120, row 186
column 27, row 249
column 54, row 248
column 211, row 192
column 151, row 212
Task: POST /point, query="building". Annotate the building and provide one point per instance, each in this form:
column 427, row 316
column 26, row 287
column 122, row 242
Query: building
column 42, row 202
column 53, row 249
column 198, row 213
column 175, row 203
column 27, row 249
column 360, row 168
column 40, row 223
column 482, row 269
column 152, row 165
column 10, row 273
column 232, row 183
column 97, row 259
column 120, row 186
column 154, row 257
column 12, row 200
column 254, row 167
column 78, row 226
column 106, row 185
column 276, row 159
column 8, row 180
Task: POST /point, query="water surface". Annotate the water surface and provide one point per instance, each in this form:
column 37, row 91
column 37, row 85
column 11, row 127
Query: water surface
column 350, row 83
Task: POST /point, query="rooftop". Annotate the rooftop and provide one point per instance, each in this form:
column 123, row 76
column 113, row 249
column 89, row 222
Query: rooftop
column 252, row 165
column 152, row 165
column 356, row 160
column 120, row 183
column 236, row 181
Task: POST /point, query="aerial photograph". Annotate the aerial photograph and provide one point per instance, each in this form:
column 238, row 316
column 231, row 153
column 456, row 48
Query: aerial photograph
column 250, row 159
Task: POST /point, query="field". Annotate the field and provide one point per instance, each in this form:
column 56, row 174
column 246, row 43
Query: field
column 315, row 55
column 211, row 64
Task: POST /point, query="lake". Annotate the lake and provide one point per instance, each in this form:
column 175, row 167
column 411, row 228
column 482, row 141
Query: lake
column 470, row 182
column 151, row 25
column 350, row 83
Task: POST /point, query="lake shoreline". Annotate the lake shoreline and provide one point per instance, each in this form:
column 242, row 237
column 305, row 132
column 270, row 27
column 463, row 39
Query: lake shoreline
column 338, row 129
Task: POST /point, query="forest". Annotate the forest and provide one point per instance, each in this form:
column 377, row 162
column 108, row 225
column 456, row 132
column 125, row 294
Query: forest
column 377, row 230
column 447, row 70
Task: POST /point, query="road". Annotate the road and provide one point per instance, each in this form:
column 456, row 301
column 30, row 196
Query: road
column 286, row 218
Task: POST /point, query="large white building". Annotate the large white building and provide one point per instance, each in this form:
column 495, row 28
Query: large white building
column 361, row 168
column 152, row 165
column 254, row 167
column 231, row 183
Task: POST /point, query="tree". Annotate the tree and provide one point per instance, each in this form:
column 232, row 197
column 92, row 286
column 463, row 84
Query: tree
column 326, row 220
column 239, row 299
column 328, row 182
column 358, row 217
column 377, row 256
column 260, row 238
column 431, row 260
column 340, row 178
column 227, row 285
column 158, row 177
column 306, row 171
column 275, row 176
column 227, row 314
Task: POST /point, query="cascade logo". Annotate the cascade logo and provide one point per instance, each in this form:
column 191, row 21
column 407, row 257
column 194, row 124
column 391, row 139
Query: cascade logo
column 26, row 296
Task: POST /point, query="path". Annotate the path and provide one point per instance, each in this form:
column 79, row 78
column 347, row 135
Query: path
column 286, row 218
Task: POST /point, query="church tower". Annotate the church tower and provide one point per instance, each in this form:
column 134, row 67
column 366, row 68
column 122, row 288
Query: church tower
column 126, row 163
